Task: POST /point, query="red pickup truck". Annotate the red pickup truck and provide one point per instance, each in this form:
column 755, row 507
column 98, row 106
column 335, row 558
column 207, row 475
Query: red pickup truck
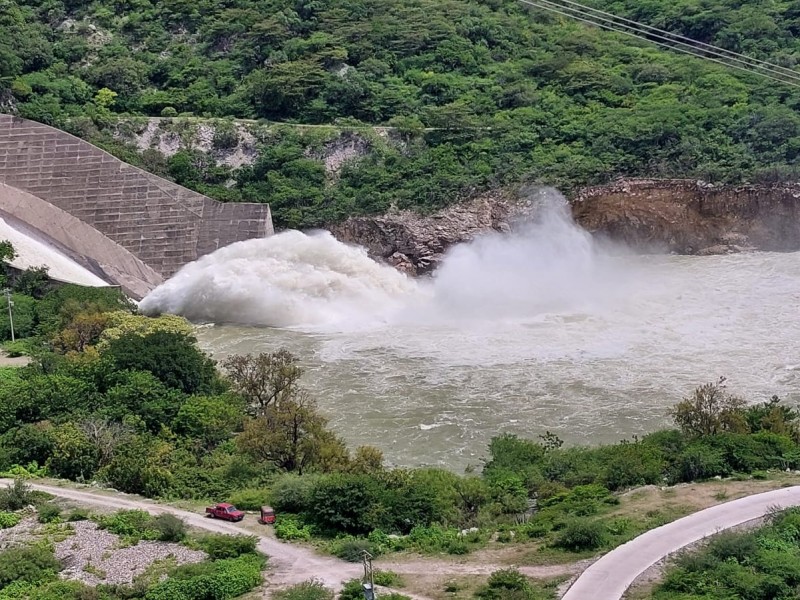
column 227, row 512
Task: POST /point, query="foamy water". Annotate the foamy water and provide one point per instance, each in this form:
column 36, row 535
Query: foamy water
column 538, row 330
column 34, row 253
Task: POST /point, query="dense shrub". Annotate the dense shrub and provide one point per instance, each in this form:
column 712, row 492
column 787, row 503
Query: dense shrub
column 580, row 535
column 78, row 514
column 250, row 499
column 507, row 583
column 308, row 590
column 34, row 564
column 290, row 528
column 169, row 527
column 9, row 519
column 228, row 578
column 353, row 550
column 219, row 546
column 132, row 525
column 48, row 512
column 16, row 496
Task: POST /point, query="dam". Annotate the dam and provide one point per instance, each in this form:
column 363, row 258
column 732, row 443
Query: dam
column 126, row 226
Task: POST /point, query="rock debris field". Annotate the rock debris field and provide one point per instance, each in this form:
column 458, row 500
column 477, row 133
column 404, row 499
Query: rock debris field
column 95, row 556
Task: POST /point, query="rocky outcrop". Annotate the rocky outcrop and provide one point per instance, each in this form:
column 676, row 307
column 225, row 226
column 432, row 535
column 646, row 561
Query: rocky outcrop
column 415, row 243
column 680, row 216
column 692, row 217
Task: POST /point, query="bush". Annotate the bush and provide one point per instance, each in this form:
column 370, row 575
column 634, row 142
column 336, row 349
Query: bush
column 308, row 590
column 505, row 583
column 8, row 519
column 582, row 534
column 48, row 512
column 225, row 136
column 388, row 579
column 220, row 546
column 291, row 493
column 170, row 528
column 352, row 590
column 290, row 528
column 169, row 111
column 17, row 496
column 352, row 550
column 34, row 564
column 78, row 514
column 227, row 579
column 250, row 498
column 130, row 524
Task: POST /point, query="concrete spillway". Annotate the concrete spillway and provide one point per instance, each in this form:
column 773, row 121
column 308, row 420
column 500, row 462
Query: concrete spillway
column 128, row 226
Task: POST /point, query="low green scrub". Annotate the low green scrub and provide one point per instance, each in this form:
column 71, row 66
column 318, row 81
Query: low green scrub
column 388, row 579
column 16, row 496
column 135, row 525
column 250, row 499
column 511, row 584
column 222, row 580
column 308, row 590
column 48, row 513
column 580, row 535
column 758, row 565
column 220, row 546
column 8, row 519
column 34, row 565
column 289, row 528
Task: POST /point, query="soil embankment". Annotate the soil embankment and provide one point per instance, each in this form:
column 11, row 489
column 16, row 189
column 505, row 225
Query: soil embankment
column 678, row 216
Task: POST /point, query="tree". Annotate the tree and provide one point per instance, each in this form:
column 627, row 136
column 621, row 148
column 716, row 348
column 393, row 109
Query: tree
column 263, row 379
column 293, row 436
column 209, row 419
column 74, row 455
column 141, row 393
column 173, row 358
column 84, row 330
column 105, row 435
column 710, row 410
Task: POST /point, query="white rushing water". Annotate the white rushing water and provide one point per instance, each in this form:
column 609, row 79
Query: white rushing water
column 32, row 252
column 541, row 329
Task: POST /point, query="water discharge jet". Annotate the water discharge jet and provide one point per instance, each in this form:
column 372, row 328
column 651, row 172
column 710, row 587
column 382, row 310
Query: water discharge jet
column 542, row 328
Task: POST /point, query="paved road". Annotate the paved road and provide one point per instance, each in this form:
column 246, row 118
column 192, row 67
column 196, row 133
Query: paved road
column 288, row 564
column 613, row 574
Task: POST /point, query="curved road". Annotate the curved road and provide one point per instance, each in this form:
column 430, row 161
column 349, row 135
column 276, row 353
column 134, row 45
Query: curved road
column 610, row 576
column 288, row 563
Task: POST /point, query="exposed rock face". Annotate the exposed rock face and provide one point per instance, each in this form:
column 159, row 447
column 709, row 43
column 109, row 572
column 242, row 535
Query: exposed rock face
column 681, row 216
column 692, row 217
column 415, row 244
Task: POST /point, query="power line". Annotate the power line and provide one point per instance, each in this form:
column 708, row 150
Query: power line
column 647, row 36
column 703, row 46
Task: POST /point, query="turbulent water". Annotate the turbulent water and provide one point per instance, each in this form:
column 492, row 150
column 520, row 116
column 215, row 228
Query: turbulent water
column 541, row 329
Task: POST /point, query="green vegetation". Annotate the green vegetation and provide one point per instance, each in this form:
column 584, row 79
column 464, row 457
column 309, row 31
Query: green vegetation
column 758, row 565
column 507, row 94
column 129, row 401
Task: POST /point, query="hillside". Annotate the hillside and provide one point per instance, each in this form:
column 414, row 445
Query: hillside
column 482, row 93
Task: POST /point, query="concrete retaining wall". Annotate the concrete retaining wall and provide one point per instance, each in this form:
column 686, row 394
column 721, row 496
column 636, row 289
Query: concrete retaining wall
column 162, row 224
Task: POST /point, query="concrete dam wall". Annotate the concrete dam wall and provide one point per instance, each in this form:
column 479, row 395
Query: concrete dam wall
column 130, row 227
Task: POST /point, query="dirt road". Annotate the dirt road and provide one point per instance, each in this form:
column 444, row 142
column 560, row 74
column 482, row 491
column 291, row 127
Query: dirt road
column 612, row 575
column 288, row 564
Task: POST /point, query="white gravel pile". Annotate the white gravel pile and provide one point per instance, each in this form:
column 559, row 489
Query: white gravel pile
column 93, row 556
column 18, row 535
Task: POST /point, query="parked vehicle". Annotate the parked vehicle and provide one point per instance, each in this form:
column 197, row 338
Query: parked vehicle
column 267, row 515
column 227, row 512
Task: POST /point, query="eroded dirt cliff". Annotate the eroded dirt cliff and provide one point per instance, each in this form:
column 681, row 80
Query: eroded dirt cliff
column 692, row 217
column 680, row 216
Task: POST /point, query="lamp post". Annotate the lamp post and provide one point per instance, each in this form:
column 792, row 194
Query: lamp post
column 10, row 303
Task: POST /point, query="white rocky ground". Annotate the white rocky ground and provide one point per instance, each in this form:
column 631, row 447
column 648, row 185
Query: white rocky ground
column 94, row 556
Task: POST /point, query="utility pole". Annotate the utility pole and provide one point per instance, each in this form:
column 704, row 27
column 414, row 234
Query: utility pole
column 10, row 302
column 368, row 583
